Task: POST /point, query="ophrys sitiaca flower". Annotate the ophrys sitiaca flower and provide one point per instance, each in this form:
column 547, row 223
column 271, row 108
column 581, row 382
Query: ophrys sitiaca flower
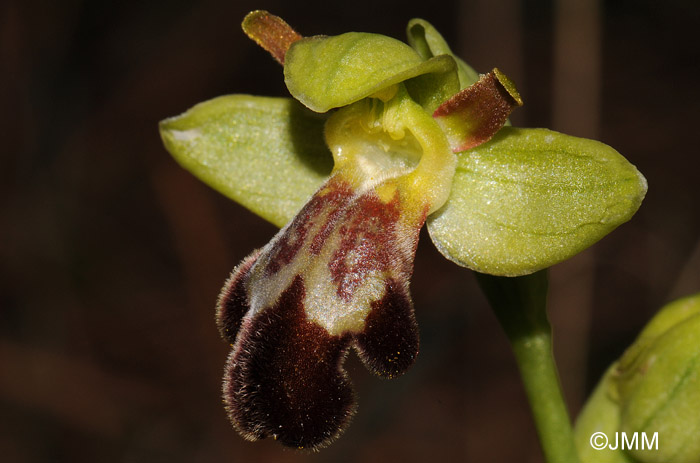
column 414, row 135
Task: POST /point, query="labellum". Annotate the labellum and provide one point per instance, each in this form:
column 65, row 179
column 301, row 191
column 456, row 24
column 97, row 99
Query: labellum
column 335, row 277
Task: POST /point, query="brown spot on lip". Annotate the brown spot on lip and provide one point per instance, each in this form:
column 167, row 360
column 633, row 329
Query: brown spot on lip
column 336, row 199
column 284, row 378
column 370, row 235
column 291, row 242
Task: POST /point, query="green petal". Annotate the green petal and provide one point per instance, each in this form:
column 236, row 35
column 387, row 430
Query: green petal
column 267, row 154
column 330, row 72
column 531, row 198
column 428, row 42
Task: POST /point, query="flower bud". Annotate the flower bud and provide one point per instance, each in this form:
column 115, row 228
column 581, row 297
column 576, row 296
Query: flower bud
column 658, row 382
column 654, row 389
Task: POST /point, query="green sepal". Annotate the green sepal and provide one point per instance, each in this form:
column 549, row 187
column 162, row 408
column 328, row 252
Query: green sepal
column 330, row 72
column 531, row 198
column 428, row 42
column 431, row 90
column 266, row 154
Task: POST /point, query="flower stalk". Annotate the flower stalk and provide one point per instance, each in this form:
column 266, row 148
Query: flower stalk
column 520, row 306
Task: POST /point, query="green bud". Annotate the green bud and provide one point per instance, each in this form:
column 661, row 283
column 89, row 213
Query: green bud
column 658, row 382
column 599, row 422
column 653, row 388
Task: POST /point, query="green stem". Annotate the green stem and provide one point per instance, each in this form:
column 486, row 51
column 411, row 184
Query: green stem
column 520, row 305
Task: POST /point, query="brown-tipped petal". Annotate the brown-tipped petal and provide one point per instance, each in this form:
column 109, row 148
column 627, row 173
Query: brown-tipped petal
column 284, row 377
column 270, row 32
column 233, row 299
column 474, row 115
column 389, row 343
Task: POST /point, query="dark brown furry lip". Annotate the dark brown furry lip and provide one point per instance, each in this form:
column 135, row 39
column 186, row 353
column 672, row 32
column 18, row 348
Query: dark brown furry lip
column 284, row 377
column 294, row 388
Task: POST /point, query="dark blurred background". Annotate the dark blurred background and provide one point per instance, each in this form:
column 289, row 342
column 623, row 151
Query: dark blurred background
column 112, row 256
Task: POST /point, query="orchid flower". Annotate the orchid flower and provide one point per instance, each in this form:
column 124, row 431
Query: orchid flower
column 379, row 137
